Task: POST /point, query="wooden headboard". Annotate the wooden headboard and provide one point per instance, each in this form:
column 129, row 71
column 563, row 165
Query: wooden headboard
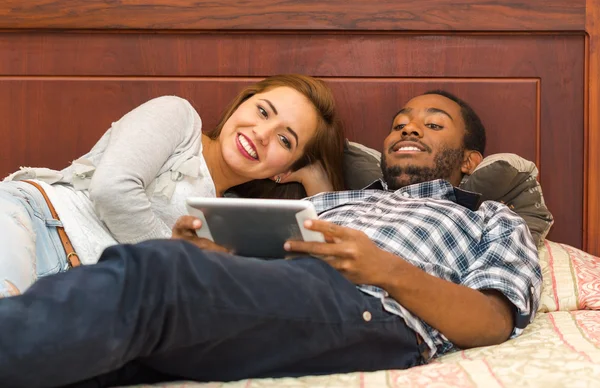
column 531, row 70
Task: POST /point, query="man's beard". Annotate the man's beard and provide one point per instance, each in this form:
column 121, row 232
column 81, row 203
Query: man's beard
column 445, row 163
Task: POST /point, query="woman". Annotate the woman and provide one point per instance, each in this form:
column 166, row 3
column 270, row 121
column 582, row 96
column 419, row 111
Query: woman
column 132, row 185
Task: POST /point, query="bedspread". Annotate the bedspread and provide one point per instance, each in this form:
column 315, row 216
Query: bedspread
column 558, row 349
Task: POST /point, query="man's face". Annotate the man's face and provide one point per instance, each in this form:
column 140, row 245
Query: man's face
column 426, row 143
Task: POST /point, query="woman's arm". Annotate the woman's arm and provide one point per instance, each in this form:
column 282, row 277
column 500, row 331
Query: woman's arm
column 141, row 142
column 313, row 177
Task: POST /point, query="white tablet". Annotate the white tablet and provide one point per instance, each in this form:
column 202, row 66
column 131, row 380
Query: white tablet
column 254, row 227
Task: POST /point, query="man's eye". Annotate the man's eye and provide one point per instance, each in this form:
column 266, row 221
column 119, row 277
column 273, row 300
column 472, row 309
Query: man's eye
column 434, row 126
column 263, row 112
column 399, row 127
column 286, row 143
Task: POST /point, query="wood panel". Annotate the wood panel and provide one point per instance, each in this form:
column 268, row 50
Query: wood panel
column 430, row 15
column 368, row 106
column 556, row 60
column 229, row 39
column 260, row 54
column 593, row 113
column 71, row 114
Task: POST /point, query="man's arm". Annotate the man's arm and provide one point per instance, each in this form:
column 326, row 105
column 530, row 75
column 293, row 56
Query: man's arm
column 468, row 317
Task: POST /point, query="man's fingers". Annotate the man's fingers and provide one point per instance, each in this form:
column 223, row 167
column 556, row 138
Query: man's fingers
column 331, row 239
column 315, row 248
column 328, row 229
column 187, row 224
column 206, row 244
column 210, row 245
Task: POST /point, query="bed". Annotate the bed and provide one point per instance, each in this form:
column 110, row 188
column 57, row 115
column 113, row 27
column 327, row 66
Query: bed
column 531, row 69
column 560, row 348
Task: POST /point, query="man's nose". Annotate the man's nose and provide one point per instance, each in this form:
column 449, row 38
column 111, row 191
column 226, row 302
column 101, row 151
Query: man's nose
column 412, row 130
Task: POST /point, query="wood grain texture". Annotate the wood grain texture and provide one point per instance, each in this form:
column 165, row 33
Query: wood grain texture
column 34, row 61
column 367, row 107
column 260, row 54
column 593, row 129
column 73, row 113
column 397, row 15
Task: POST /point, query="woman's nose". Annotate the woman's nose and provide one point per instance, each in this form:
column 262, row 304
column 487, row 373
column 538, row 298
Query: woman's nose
column 263, row 132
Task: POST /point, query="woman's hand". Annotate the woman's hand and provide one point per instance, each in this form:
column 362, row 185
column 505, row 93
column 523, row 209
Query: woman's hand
column 185, row 229
column 313, row 177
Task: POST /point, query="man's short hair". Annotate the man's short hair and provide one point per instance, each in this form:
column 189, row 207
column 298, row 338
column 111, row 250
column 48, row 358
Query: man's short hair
column 475, row 131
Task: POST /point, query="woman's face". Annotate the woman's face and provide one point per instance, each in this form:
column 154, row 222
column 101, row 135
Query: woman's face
column 268, row 132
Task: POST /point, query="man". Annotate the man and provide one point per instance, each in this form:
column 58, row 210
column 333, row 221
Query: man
column 433, row 271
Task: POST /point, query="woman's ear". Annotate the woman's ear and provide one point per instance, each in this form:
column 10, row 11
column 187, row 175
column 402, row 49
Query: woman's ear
column 470, row 161
column 281, row 178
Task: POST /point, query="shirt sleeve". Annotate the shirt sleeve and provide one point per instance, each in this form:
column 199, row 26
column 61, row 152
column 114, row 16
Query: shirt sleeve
column 140, row 144
column 507, row 262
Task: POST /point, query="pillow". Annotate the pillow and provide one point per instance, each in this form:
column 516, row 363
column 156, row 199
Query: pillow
column 571, row 278
column 505, row 178
column 361, row 165
column 512, row 180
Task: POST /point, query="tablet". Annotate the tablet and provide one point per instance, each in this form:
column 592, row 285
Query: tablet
column 254, row 227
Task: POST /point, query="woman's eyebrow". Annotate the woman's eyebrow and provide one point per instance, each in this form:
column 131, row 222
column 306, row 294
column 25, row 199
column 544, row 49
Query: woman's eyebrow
column 290, row 130
column 271, row 105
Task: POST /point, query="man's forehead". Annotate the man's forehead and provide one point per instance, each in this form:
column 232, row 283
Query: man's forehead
column 429, row 101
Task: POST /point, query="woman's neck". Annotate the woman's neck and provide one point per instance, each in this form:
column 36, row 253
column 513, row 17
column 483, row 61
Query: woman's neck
column 221, row 174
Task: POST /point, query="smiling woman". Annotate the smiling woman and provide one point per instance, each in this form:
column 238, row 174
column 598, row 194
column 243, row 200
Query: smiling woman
column 133, row 183
column 285, row 122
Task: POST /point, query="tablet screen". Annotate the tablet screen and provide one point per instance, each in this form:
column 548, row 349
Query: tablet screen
column 254, row 227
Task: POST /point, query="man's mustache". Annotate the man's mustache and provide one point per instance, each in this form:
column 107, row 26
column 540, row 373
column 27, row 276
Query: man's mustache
column 412, row 140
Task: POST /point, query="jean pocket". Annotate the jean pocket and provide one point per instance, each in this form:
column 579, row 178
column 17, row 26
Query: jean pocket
column 50, row 253
column 49, row 262
column 32, row 204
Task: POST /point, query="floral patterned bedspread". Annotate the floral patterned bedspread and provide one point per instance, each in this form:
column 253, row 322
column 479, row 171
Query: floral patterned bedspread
column 558, row 349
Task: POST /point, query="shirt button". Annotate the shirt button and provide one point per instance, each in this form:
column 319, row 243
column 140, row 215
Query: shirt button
column 378, row 211
column 367, row 316
column 405, row 195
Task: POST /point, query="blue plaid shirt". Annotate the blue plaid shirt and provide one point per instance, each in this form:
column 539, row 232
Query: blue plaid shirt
column 434, row 226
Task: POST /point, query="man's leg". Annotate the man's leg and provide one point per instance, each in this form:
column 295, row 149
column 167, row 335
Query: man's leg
column 196, row 315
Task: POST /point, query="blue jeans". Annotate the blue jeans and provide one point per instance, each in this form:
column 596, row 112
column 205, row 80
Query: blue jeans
column 29, row 244
column 166, row 310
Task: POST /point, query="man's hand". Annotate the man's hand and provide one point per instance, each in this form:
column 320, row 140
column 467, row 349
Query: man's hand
column 349, row 251
column 467, row 317
column 185, row 229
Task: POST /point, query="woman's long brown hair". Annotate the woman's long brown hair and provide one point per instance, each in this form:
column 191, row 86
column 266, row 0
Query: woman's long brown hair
column 326, row 146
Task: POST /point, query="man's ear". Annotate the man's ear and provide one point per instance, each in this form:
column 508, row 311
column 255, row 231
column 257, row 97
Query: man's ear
column 471, row 160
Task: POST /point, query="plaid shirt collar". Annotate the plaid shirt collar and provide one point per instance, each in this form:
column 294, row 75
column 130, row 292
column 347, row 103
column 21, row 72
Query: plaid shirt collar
column 436, row 189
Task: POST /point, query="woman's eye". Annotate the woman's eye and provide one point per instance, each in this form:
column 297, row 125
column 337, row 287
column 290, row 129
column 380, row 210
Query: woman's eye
column 263, row 112
column 434, row 126
column 286, row 143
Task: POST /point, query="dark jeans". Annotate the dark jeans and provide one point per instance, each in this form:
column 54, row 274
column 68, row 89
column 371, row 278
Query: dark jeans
column 166, row 310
